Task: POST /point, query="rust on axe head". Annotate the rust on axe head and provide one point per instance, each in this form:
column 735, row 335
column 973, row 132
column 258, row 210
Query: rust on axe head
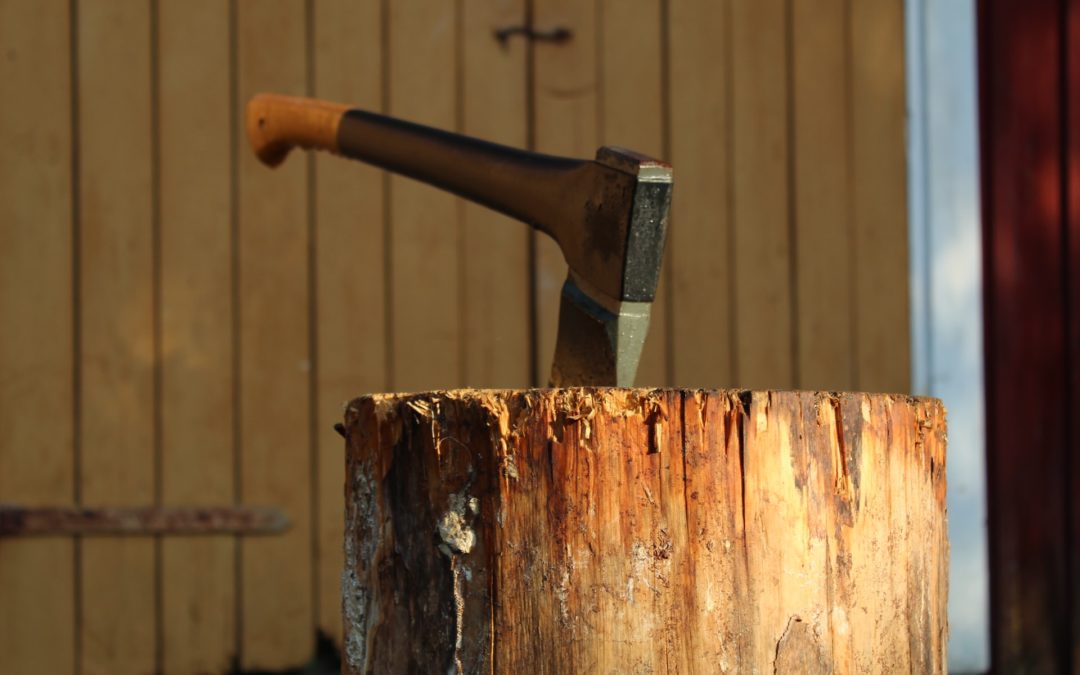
column 608, row 215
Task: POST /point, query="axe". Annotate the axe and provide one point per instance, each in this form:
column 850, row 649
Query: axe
column 608, row 215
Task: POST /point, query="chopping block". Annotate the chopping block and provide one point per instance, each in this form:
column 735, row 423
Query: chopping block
column 621, row 530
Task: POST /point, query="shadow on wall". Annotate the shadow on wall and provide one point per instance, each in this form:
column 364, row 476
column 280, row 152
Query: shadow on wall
column 327, row 661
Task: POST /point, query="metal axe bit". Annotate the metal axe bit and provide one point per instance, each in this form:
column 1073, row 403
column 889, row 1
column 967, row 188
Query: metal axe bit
column 608, row 215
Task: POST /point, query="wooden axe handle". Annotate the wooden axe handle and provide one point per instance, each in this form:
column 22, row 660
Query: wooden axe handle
column 277, row 123
column 546, row 192
column 589, row 207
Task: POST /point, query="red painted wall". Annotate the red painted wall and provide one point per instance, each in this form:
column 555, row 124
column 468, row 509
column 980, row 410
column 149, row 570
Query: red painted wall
column 1030, row 142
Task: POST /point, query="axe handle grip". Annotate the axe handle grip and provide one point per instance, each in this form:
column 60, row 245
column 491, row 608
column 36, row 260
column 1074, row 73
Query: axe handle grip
column 276, row 124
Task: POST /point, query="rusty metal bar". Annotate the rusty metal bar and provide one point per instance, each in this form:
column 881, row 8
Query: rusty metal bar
column 21, row 521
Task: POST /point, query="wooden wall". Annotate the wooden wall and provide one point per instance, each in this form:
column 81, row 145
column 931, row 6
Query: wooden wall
column 180, row 325
column 1029, row 81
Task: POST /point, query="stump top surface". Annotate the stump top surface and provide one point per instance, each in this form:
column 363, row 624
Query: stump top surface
column 481, row 395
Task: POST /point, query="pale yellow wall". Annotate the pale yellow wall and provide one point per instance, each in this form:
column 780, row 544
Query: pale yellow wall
column 180, row 325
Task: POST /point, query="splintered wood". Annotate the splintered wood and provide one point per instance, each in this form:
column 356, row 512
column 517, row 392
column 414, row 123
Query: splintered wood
column 645, row 531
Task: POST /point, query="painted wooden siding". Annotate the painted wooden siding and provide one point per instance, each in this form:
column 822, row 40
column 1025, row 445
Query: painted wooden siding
column 179, row 324
column 1029, row 84
column 39, row 578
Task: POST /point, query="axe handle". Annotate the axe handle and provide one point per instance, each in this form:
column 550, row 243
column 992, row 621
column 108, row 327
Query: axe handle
column 541, row 190
column 583, row 205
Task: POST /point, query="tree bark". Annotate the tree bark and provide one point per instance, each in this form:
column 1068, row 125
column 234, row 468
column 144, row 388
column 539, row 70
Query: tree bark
column 645, row 531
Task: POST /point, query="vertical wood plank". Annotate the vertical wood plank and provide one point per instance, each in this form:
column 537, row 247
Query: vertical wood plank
column 820, row 153
column 762, row 249
column 496, row 321
column 351, row 293
column 277, row 623
column 699, row 237
column 1071, row 234
column 425, row 291
column 198, row 573
column 37, row 577
column 1022, row 141
column 117, row 329
column 566, row 100
column 879, row 210
column 632, row 116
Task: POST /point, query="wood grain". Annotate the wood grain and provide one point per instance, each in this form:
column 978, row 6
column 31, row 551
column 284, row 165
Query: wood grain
column 646, row 531
column 425, row 232
column 495, row 249
column 879, row 211
column 37, row 578
column 566, row 99
column 761, row 194
column 117, row 350
column 632, row 116
column 821, row 153
column 277, row 624
column 702, row 227
column 350, row 272
column 194, row 126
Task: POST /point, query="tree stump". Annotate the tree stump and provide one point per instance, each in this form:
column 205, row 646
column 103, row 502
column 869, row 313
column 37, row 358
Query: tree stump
column 645, row 531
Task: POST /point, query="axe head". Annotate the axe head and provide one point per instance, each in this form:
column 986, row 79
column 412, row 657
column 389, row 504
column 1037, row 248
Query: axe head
column 605, row 306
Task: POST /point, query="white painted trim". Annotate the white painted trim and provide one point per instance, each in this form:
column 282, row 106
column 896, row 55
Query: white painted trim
column 946, row 290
